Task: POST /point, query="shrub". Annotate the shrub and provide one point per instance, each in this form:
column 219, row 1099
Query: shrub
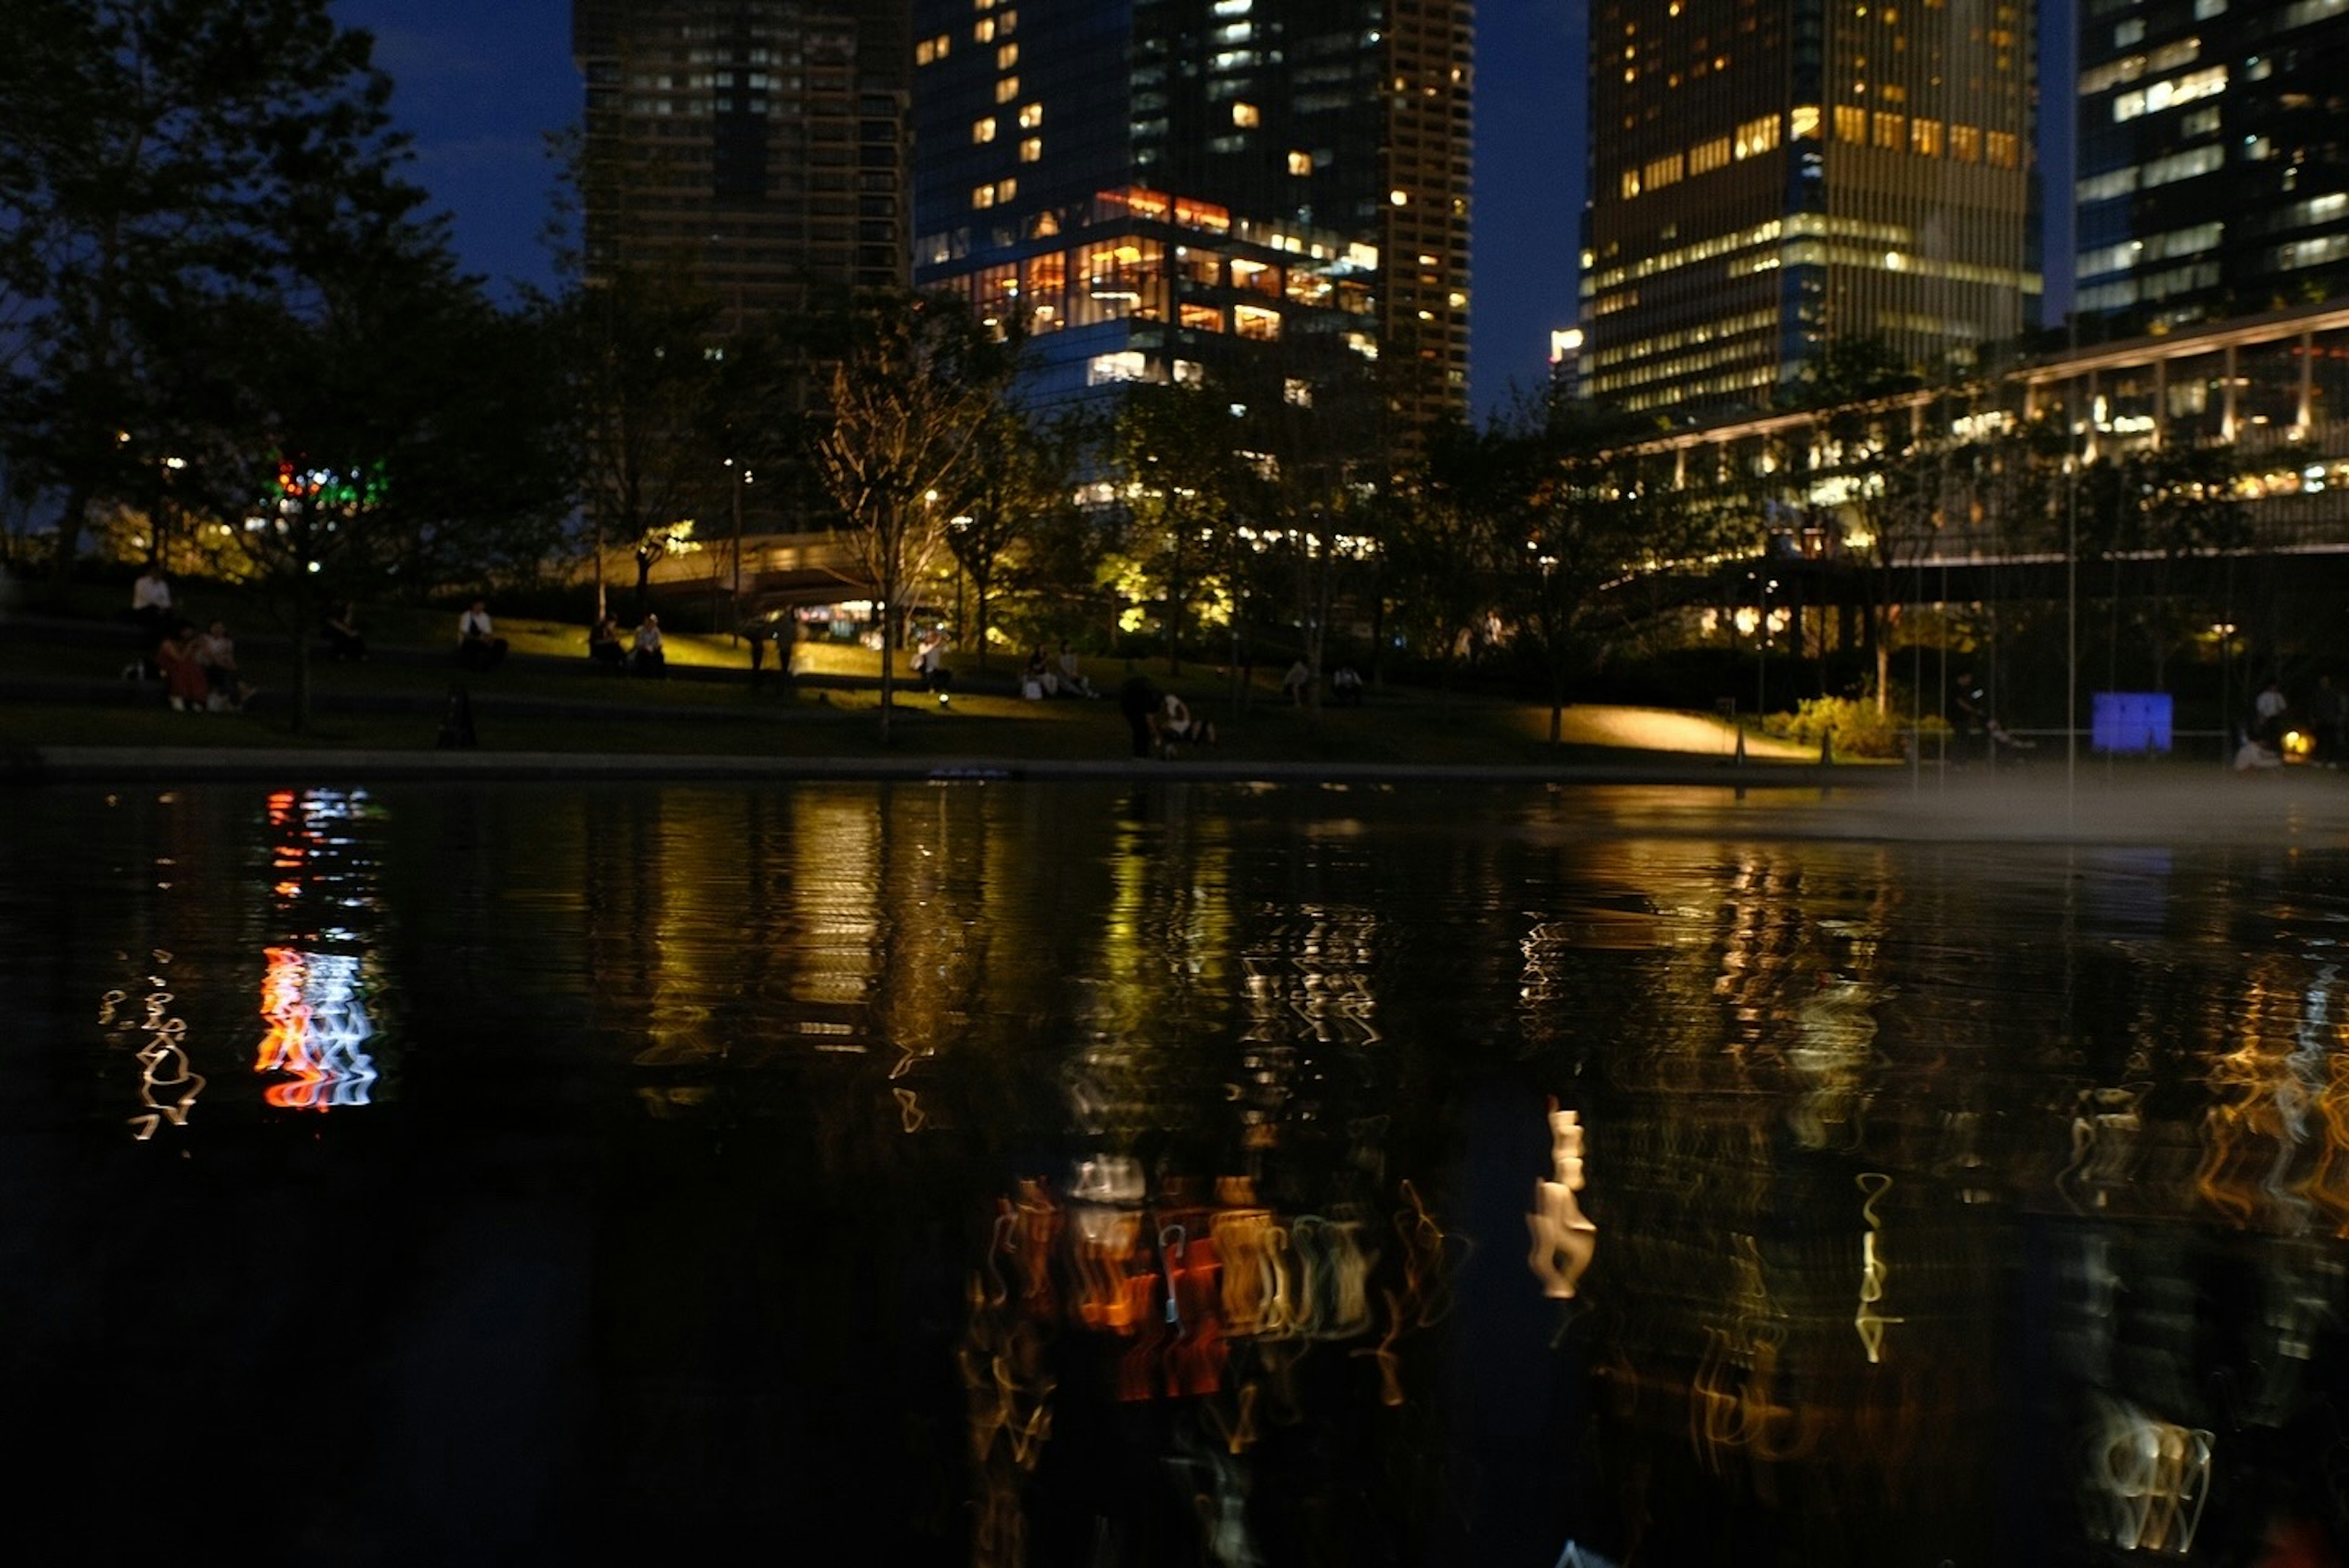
column 1858, row 730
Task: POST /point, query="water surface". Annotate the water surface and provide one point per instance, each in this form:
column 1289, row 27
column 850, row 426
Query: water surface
column 1169, row 1174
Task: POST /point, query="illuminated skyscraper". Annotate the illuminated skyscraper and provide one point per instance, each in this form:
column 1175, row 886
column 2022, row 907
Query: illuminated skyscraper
column 1155, row 187
column 2214, row 164
column 1770, row 176
column 755, row 147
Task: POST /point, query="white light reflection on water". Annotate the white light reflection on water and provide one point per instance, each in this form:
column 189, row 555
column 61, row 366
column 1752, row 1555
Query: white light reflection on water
column 312, row 995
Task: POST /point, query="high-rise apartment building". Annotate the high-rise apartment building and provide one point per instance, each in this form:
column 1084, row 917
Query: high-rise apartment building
column 1154, row 188
column 2213, row 158
column 1771, row 176
column 755, row 148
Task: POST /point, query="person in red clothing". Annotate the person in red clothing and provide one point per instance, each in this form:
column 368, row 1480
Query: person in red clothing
column 184, row 680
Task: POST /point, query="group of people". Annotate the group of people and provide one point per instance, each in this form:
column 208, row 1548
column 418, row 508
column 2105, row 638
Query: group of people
column 640, row 652
column 1054, row 677
column 197, row 665
column 2323, row 719
column 1345, row 685
column 198, row 669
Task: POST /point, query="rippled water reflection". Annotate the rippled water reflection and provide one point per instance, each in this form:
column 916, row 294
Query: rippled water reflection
column 1074, row 1175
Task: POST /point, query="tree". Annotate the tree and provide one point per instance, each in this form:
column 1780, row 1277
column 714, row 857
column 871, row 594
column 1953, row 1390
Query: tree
column 909, row 400
column 1023, row 470
column 641, row 389
column 1174, row 446
column 161, row 155
column 380, row 420
column 1585, row 524
column 2159, row 506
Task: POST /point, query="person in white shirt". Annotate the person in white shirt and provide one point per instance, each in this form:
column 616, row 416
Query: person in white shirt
column 151, row 607
column 650, row 657
column 479, row 646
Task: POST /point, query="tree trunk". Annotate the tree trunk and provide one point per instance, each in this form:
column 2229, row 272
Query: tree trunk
column 303, row 615
column 69, row 523
column 889, row 641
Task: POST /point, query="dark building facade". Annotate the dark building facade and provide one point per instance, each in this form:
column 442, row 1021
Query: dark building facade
column 1771, row 176
column 1156, row 189
column 2213, row 158
column 756, row 148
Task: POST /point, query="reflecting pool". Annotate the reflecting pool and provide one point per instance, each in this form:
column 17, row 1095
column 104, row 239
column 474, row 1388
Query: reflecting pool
column 1073, row 1174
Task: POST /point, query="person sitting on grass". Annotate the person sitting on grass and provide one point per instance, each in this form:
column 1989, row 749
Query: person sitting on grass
column 603, row 646
column 184, row 682
column 479, row 646
column 650, row 657
column 215, row 654
column 1072, row 682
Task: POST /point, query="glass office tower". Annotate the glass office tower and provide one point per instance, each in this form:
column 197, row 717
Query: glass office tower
column 2214, row 165
column 1154, row 189
column 753, row 146
column 1770, row 176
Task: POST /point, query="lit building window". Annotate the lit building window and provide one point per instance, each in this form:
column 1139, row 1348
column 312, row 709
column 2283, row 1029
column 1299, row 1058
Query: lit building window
column 2206, row 83
column 1925, row 137
column 1802, row 122
column 1009, row 21
column 1031, row 148
column 1301, row 162
column 1006, row 57
column 2003, row 150
column 930, row 50
column 1255, row 322
column 1245, row 115
column 1892, row 132
column 1965, row 144
column 1399, row 197
column 982, row 130
column 1006, row 89
column 1707, row 156
column 1851, row 125
column 983, row 30
column 1031, row 114
column 1631, row 183
column 982, row 197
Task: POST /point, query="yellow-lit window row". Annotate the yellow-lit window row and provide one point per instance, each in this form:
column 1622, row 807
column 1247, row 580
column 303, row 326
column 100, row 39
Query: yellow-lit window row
column 1751, row 139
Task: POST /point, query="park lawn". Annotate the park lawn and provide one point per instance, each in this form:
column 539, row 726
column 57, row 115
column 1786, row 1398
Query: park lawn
column 602, row 712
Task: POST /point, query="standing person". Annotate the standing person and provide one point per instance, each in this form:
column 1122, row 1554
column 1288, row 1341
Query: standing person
column 2328, row 711
column 479, row 646
column 930, row 664
column 342, row 628
column 151, row 609
column 650, row 657
column 1138, row 700
column 1297, row 683
column 1967, row 697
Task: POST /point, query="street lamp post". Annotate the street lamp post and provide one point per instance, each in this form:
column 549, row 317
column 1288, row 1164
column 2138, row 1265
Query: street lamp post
column 736, row 483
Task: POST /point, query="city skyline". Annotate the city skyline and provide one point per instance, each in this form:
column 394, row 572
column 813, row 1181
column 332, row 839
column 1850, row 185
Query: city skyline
column 480, row 89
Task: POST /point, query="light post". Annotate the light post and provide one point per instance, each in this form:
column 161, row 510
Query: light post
column 735, row 484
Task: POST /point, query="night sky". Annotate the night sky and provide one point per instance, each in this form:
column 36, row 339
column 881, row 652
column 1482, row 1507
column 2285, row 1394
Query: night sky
column 479, row 85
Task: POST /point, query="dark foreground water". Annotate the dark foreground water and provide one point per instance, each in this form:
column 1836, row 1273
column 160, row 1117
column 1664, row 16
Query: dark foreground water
column 1174, row 1175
